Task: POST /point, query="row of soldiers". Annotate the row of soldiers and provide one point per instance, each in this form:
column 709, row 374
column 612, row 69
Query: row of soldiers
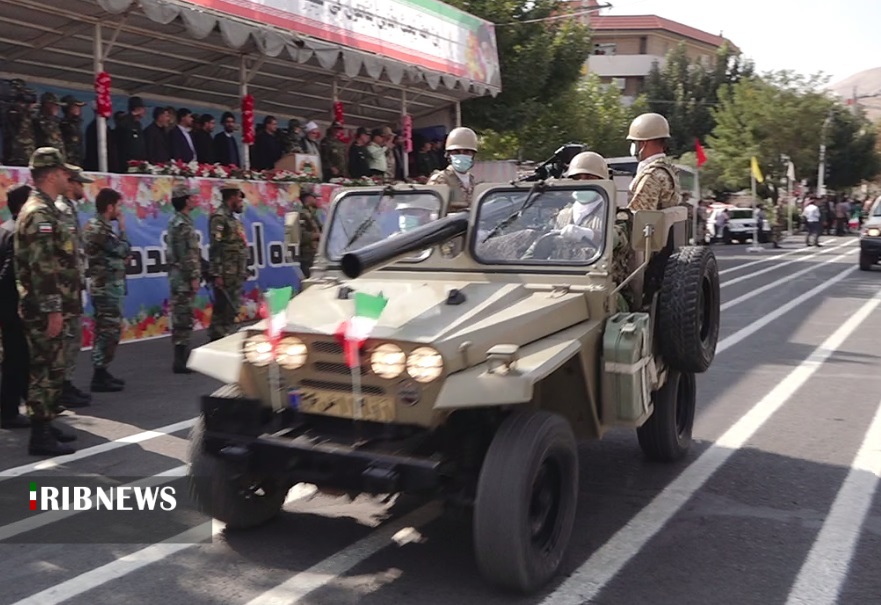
column 26, row 127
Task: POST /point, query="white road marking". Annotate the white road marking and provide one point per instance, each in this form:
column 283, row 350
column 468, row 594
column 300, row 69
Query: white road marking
column 43, row 519
column 764, row 259
column 595, row 573
column 776, row 266
column 96, row 449
column 324, row 572
column 788, row 278
column 825, row 570
column 120, row 567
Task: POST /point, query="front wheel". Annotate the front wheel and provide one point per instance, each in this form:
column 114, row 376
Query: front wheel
column 866, row 262
column 666, row 435
column 527, row 494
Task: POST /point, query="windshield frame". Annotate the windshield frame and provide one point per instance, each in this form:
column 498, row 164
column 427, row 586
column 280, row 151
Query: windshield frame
column 570, row 187
column 326, row 236
column 876, row 209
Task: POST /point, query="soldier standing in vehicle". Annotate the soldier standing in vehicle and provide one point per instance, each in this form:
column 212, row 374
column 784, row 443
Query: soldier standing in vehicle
column 106, row 252
column 71, row 396
column 228, row 260
column 311, row 232
column 19, row 135
column 72, row 130
column 48, row 280
column 184, row 270
column 460, row 150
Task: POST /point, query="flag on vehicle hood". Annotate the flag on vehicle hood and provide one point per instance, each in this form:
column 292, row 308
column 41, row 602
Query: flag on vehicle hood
column 699, row 151
column 757, row 172
column 275, row 304
column 354, row 331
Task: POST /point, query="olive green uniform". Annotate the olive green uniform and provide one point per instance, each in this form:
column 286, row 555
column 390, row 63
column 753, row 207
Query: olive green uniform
column 228, row 259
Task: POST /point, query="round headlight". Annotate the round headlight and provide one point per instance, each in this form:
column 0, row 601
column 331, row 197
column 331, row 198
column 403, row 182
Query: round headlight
column 258, row 350
column 387, row 361
column 425, row 364
column 292, row 353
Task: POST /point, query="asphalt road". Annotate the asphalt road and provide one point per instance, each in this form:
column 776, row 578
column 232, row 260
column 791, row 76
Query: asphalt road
column 776, row 504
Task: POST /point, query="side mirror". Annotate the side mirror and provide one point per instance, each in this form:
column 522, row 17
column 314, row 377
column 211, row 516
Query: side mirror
column 292, row 232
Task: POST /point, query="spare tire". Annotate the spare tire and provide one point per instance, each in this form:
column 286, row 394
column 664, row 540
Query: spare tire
column 689, row 309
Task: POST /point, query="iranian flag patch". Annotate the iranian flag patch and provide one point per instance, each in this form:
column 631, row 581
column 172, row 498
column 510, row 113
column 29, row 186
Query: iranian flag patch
column 45, row 227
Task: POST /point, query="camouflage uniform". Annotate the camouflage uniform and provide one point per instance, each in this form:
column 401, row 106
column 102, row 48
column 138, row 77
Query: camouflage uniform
column 106, row 252
column 460, row 194
column 48, row 274
column 228, row 259
column 333, row 155
column 778, row 223
column 184, row 261
column 20, row 141
column 72, row 135
column 73, row 325
column 311, row 225
column 47, row 130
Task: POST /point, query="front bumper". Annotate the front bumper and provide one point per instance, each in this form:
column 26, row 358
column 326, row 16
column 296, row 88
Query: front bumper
column 871, row 245
column 244, row 433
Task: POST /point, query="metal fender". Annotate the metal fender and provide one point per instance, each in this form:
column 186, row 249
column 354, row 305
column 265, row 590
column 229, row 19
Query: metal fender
column 478, row 387
column 221, row 359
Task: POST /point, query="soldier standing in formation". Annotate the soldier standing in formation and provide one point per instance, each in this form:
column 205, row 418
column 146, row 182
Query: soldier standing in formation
column 106, row 252
column 19, row 135
column 778, row 224
column 184, row 271
column 461, row 149
column 311, row 232
column 73, row 324
column 47, row 125
column 333, row 153
column 49, row 286
column 228, row 260
column 72, row 130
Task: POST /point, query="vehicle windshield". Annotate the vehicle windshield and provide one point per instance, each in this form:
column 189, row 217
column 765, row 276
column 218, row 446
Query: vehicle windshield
column 361, row 219
column 740, row 214
column 877, row 210
column 560, row 227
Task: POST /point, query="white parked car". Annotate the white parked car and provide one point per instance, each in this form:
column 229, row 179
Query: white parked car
column 740, row 225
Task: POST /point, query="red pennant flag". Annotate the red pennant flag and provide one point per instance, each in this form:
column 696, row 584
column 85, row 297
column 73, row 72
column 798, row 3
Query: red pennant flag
column 701, row 156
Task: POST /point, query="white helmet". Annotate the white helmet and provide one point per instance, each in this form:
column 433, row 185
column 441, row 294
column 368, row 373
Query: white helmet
column 588, row 162
column 462, row 138
column 648, row 127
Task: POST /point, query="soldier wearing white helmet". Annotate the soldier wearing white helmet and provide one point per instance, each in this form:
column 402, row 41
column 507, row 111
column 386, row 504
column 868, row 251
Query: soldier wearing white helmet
column 656, row 184
column 461, row 148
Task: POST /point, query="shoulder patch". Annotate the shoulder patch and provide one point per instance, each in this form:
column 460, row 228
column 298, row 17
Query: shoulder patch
column 44, row 227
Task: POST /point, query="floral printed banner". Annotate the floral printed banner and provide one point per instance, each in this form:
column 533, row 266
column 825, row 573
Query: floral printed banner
column 147, row 206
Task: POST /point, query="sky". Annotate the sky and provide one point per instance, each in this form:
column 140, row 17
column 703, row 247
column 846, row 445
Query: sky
column 840, row 38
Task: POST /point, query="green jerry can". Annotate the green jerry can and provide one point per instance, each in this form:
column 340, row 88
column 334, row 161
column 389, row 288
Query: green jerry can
column 627, row 350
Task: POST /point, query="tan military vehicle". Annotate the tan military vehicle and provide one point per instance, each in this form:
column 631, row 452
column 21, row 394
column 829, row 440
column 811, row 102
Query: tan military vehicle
column 501, row 345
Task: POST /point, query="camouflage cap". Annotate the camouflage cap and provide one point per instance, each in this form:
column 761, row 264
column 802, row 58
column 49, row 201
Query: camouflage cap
column 232, row 186
column 49, row 97
column 77, row 174
column 183, row 190
column 49, row 157
column 71, row 101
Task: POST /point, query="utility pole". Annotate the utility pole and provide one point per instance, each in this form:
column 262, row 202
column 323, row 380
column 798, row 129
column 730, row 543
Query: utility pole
column 821, row 171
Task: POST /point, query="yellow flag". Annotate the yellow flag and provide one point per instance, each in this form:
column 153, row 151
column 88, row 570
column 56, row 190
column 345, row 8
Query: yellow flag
column 757, row 172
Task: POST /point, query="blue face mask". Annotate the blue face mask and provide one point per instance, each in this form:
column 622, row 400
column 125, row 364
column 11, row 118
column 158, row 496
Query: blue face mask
column 586, row 197
column 461, row 162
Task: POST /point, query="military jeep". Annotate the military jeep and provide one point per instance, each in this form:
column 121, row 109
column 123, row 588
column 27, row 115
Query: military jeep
column 501, row 345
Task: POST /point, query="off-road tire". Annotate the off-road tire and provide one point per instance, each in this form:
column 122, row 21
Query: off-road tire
column 666, row 435
column 218, row 488
column 529, row 445
column 689, row 309
column 866, row 261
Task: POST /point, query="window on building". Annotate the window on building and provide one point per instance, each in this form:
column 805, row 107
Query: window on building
column 619, row 83
column 643, row 45
column 608, row 48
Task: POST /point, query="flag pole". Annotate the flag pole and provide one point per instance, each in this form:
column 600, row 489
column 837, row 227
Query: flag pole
column 755, row 247
column 697, row 203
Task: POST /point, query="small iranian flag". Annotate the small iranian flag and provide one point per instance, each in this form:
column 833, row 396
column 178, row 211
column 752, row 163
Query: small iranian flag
column 275, row 304
column 33, row 496
column 353, row 332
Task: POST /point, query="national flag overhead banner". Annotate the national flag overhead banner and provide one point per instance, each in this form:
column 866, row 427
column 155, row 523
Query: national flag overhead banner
column 699, row 151
column 353, row 332
column 757, row 172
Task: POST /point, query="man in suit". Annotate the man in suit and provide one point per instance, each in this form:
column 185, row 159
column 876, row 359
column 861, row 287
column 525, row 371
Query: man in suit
column 182, row 147
column 202, row 140
column 14, row 385
column 267, row 148
column 130, row 136
column 156, row 138
column 226, row 148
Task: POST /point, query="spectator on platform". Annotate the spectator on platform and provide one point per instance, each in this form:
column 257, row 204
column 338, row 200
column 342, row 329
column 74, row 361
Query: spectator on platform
column 359, row 160
column 312, row 143
column 388, row 141
column 202, row 140
column 398, row 153
column 377, row 160
column 291, row 138
column 182, row 147
column 426, row 160
column 226, row 148
column 72, row 129
column 91, row 161
column 130, row 136
column 172, row 118
column 267, row 149
column 156, row 137
column 333, row 153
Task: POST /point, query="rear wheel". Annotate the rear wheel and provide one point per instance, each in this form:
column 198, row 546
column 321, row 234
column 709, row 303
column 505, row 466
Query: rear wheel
column 666, row 435
column 866, row 261
column 526, row 499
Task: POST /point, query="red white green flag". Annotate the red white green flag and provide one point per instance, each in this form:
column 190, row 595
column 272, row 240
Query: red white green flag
column 275, row 304
column 354, row 331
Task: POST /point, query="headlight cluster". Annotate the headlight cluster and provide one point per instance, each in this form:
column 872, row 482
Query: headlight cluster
column 873, row 232
column 292, row 352
column 424, row 364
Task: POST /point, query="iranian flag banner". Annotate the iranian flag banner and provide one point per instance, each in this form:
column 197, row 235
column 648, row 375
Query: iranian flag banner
column 275, row 304
column 353, row 332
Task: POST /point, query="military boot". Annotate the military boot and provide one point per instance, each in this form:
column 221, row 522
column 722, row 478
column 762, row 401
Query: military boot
column 72, row 397
column 44, row 443
column 113, row 378
column 180, row 360
column 102, row 382
column 61, row 433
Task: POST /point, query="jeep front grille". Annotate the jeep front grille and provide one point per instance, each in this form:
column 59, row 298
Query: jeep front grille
column 327, row 347
column 324, row 385
column 327, row 367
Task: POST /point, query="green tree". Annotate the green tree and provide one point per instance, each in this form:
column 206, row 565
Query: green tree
column 685, row 92
column 539, row 61
column 851, row 154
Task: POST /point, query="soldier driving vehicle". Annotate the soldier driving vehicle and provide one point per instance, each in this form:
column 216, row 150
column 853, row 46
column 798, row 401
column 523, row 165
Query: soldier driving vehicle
column 481, row 371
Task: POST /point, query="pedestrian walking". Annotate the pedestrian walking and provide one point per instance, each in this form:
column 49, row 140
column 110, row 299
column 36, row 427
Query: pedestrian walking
column 813, row 216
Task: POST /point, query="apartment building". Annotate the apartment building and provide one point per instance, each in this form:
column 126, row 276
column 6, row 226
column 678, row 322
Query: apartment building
column 627, row 46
